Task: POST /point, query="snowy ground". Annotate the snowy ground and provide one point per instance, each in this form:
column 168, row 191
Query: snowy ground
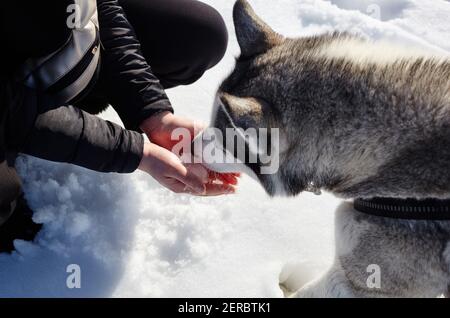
column 132, row 238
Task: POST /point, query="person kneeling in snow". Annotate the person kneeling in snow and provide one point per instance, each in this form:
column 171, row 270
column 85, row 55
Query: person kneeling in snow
column 68, row 59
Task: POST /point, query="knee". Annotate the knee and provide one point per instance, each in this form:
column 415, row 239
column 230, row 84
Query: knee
column 181, row 39
column 208, row 43
column 214, row 37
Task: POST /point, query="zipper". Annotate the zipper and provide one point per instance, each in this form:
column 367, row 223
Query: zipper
column 78, row 70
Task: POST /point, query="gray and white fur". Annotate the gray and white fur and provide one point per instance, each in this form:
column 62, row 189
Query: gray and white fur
column 360, row 119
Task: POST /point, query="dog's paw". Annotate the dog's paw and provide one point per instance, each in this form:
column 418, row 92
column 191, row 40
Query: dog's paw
column 295, row 275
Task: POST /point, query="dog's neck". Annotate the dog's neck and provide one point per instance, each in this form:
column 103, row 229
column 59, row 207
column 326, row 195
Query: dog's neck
column 395, row 160
column 377, row 142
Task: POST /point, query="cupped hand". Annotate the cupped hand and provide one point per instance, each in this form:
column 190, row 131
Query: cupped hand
column 194, row 179
column 169, row 170
column 159, row 128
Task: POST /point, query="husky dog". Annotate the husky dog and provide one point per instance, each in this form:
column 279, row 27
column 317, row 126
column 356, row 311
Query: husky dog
column 362, row 120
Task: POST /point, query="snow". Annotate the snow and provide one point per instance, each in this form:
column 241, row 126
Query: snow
column 131, row 238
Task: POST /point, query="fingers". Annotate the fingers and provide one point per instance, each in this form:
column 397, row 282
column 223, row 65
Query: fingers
column 177, row 187
column 211, row 189
column 226, row 185
column 193, row 179
column 199, row 171
column 197, row 181
column 227, row 178
column 230, row 178
column 194, row 127
column 168, row 170
column 214, row 189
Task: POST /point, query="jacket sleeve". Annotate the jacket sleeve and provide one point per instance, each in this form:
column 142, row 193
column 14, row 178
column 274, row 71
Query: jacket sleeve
column 134, row 91
column 68, row 134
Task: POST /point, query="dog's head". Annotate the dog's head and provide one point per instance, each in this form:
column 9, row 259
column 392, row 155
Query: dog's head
column 259, row 94
column 346, row 115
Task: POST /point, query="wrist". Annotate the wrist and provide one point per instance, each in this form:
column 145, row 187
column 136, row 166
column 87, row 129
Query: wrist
column 155, row 122
column 145, row 154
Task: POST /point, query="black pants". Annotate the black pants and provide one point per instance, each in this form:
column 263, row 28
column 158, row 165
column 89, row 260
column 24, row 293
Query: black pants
column 180, row 39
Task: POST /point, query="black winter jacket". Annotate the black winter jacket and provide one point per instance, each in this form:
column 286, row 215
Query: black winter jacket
column 33, row 124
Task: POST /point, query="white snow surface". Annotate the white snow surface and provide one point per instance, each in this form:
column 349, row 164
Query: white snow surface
column 131, row 238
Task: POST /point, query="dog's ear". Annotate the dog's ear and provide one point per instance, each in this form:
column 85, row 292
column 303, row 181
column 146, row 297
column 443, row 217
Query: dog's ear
column 253, row 34
column 243, row 112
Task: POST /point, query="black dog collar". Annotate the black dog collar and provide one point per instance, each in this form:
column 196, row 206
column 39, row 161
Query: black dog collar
column 408, row 209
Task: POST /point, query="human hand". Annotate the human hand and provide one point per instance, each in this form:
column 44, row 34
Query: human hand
column 159, row 130
column 170, row 172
